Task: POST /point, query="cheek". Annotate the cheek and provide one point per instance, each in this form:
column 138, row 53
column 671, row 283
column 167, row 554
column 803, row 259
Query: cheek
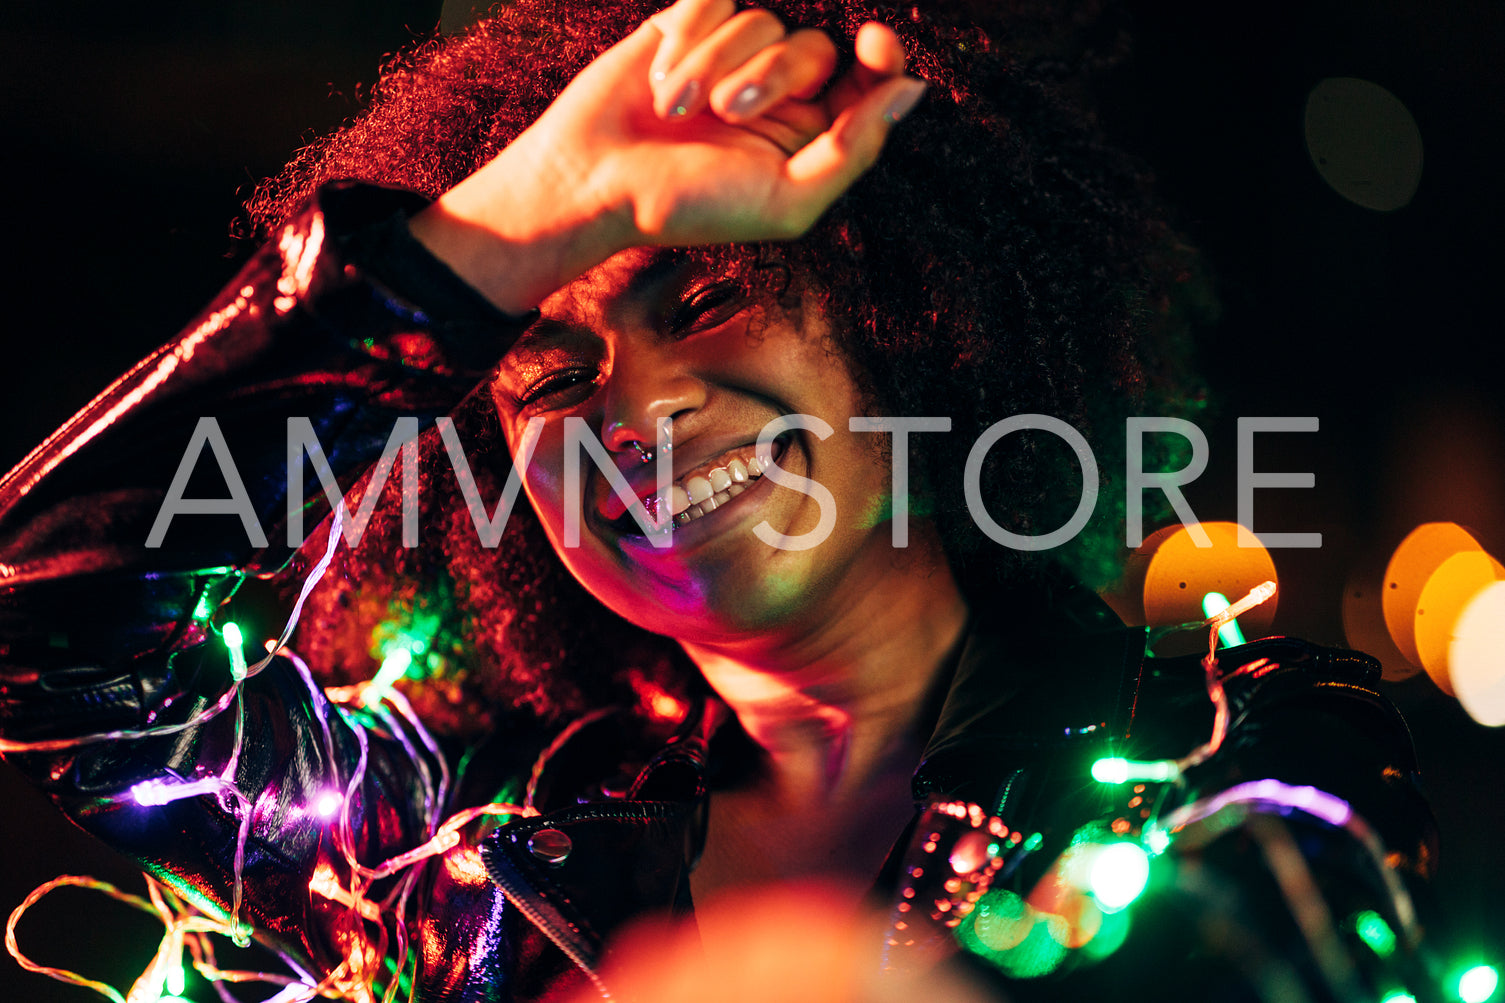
column 543, row 483
column 542, row 475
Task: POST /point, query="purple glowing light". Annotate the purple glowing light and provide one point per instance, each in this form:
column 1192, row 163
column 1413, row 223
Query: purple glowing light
column 154, row 793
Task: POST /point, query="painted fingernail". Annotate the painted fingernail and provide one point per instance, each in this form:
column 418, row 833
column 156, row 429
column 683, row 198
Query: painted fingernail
column 686, row 97
column 745, row 100
column 904, row 101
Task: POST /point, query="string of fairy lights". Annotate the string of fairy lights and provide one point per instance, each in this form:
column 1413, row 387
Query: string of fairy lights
column 367, row 920
column 1109, row 872
column 1109, row 869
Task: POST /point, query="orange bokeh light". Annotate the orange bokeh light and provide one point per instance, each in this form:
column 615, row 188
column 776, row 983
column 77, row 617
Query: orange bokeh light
column 1476, row 656
column 1447, row 593
column 1166, row 578
column 1414, row 562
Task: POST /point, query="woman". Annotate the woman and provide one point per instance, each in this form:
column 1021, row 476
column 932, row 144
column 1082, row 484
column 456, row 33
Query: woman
column 997, row 260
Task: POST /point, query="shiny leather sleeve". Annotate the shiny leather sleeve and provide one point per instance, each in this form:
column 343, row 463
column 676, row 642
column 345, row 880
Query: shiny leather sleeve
column 1305, row 715
column 101, row 633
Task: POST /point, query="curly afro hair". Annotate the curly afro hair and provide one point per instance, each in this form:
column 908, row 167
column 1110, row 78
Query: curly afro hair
column 1000, row 259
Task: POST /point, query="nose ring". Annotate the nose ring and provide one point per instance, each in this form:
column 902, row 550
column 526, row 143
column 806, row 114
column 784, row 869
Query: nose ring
column 644, row 453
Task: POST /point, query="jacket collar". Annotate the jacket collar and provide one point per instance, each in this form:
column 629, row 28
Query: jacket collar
column 1038, row 673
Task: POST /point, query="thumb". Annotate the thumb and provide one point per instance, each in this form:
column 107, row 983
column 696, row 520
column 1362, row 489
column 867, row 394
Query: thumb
column 828, row 165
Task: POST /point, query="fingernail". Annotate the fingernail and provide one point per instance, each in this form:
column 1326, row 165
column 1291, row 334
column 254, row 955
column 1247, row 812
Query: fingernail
column 687, row 95
column 745, row 100
column 904, row 101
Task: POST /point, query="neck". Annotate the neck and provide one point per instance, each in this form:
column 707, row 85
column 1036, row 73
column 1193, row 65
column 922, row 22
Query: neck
column 836, row 705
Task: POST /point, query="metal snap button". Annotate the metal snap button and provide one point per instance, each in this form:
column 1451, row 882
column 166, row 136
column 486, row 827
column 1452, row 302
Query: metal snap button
column 550, row 845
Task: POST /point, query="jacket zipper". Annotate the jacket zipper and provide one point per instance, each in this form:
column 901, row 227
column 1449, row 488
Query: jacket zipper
column 561, row 938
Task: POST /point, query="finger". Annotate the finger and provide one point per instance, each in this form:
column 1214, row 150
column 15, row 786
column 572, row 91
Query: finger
column 880, row 57
column 684, row 91
column 818, row 174
column 795, row 68
column 684, row 26
column 879, row 50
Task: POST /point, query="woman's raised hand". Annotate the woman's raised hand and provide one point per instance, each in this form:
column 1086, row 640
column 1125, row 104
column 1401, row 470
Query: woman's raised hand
column 702, row 126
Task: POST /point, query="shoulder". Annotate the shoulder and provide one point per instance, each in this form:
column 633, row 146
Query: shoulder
column 1301, row 715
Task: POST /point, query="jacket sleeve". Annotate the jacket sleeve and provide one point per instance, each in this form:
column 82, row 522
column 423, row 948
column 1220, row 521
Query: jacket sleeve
column 104, row 603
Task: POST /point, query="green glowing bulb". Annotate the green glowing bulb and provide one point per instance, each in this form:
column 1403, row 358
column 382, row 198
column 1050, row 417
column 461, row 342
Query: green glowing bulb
column 393, row 667
column 1375, row 932
column 175, row 980
column 1119, row 873
column 1478, row 984
column 1214, row 603
column 1399, row 996
column 1112, row 770
column 1121, row 771
column 235, row 644
column 1033, row 843
column 1157, row 841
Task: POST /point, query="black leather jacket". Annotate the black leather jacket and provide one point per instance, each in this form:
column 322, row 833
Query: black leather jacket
column 99, row 633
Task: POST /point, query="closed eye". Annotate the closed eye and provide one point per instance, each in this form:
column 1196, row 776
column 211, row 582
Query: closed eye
column 560, row 388
column 708, row 307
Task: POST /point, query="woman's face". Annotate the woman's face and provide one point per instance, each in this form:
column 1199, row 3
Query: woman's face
column 647, row 335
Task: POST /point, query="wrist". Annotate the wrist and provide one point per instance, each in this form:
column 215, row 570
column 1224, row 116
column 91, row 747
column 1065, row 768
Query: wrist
column 517, row 230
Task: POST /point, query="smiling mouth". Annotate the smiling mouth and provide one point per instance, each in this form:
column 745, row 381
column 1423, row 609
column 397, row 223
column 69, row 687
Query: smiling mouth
column 699, row 491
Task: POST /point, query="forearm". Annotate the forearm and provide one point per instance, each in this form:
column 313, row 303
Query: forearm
column 303, row 331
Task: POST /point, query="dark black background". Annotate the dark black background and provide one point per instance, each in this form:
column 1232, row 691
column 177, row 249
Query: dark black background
column 129, row 132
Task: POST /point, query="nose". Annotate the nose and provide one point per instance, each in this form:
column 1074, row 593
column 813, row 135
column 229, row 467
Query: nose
column 647, row 382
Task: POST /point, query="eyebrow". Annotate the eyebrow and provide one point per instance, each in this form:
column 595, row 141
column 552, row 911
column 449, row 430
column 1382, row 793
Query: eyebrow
column 542, row 330
column 661, row 266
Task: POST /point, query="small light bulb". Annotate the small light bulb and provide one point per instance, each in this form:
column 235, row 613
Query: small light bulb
column 1478, row 984
column 1121, row 771
column 1375, row 932
column 1229, row 633
column 1119, row 874
column 393, row 668
column 155, row 793
column 1112, row 770
column 235, row 644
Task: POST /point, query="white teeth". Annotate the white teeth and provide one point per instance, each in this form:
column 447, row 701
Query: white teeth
column 704, row 493
column 699, row 489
